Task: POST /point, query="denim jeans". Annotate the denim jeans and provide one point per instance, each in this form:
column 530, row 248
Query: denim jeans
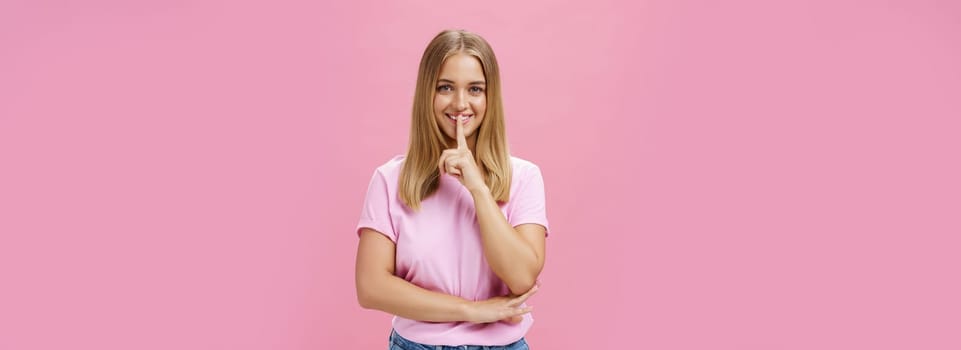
column 400, row 343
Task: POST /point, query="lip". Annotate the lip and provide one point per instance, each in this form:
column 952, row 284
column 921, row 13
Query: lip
column 453, row 120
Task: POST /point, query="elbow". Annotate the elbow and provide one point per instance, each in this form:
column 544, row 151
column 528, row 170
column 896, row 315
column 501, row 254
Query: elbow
column 363, row 300
column 520, row 289
column 371, row 290
column 365, row 295
column 521, row 281
column 522, row 285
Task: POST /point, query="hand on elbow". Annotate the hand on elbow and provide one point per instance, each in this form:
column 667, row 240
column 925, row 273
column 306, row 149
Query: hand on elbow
column 503, row 308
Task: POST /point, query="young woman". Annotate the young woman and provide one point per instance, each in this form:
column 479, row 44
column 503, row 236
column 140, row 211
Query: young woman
column 452, row 235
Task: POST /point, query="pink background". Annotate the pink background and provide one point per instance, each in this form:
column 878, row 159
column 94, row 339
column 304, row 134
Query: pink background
column 720, row 174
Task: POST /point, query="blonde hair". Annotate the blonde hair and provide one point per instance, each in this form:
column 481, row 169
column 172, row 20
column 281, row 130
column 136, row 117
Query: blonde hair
column 420, row 177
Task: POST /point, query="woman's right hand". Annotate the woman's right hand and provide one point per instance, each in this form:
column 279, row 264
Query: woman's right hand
column 503, row 308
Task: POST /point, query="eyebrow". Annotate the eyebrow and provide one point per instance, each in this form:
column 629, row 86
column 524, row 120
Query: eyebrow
column 479, row 82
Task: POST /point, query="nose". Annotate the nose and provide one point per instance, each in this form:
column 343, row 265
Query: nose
column 461, row 101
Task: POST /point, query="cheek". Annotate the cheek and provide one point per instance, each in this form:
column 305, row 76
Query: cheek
column 479, row 104
column 441, row 101
column 481, row 111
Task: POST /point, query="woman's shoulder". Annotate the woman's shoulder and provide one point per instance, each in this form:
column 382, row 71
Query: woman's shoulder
column 391, row 169
column 518, row 162
column 523, row 168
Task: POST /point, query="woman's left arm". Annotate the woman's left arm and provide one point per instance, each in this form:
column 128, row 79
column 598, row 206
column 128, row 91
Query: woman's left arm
column 515, row 254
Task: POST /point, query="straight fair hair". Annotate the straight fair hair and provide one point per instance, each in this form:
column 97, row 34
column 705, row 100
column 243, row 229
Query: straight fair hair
column 420, row 177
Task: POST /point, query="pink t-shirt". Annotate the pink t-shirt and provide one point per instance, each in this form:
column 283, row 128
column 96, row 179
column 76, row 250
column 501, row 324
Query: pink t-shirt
column 439, row 248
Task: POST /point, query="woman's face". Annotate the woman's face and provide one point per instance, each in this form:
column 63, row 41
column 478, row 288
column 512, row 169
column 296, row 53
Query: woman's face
column 461, row 91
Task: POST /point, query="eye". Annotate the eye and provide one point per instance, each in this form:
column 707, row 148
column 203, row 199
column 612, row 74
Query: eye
column 476, row 89
column 444, row 88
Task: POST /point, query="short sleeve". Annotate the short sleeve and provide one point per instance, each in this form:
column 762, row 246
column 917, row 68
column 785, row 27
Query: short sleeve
column 528, row 202
column 376, row 211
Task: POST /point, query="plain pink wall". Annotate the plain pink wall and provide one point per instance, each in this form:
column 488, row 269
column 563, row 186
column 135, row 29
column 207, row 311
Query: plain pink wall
column 720, row 174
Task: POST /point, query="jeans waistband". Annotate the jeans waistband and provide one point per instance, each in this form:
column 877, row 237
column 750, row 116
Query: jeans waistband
column 406, row 344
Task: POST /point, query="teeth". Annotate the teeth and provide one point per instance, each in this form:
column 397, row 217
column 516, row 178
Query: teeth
column 461, row 117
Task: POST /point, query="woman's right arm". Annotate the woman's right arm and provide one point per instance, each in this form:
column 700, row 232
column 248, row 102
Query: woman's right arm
column 378, row 288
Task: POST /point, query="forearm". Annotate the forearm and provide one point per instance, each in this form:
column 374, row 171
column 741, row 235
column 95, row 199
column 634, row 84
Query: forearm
column 509, row 256
column 399, row 297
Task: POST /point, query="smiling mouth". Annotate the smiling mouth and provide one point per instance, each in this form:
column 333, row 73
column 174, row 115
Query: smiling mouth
column 454, row 118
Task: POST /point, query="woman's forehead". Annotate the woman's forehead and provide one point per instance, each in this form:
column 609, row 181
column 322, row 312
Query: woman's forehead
column 462, row 68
